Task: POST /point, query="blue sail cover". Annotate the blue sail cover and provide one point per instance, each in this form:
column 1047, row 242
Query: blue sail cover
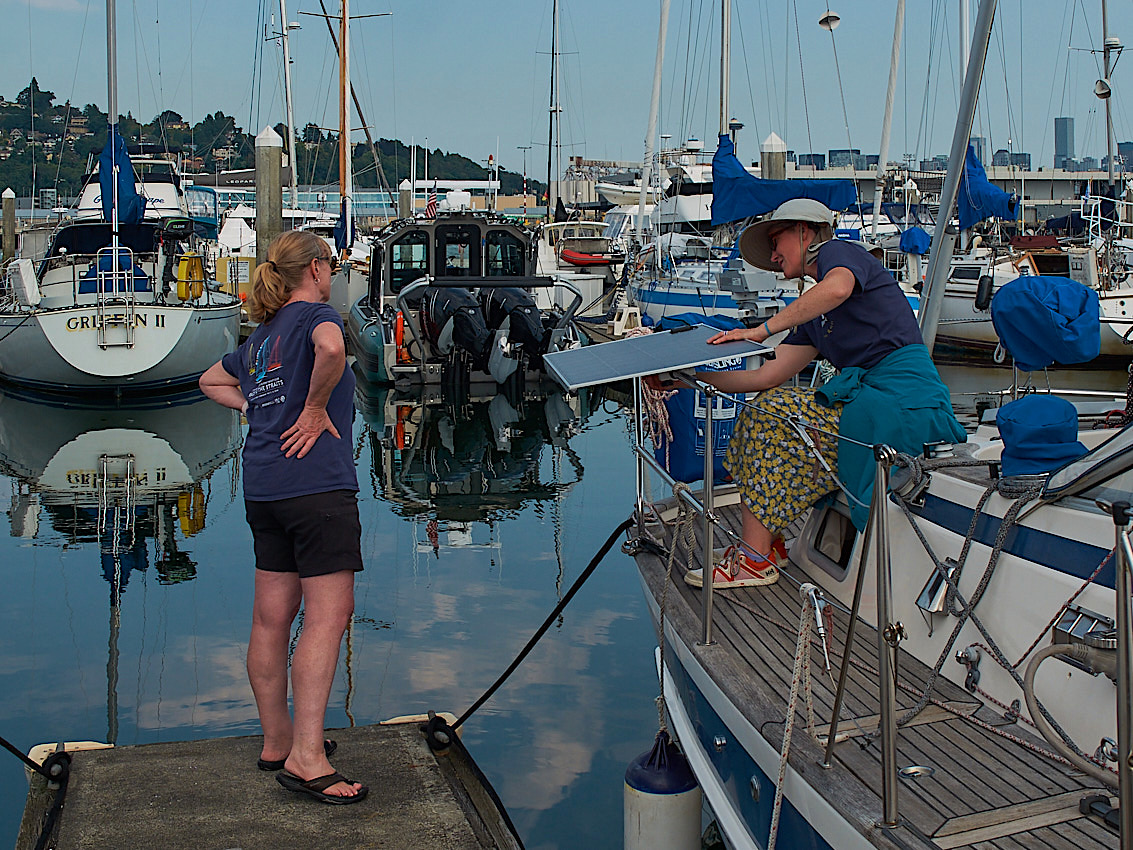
column 344, row 230
column 978, row 199
column 1043, row 320
column 737, row 194
column 915, row 240
column 131, row 205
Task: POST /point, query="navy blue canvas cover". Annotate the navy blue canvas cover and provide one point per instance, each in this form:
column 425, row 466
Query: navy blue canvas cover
column 737, row 194
column 1040, row 433
column 915, row 240
column 1042, row 320
column 978, row 199
column 131, row 205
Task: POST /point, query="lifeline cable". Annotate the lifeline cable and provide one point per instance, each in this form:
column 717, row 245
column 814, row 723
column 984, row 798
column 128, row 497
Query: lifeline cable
column 574, row 588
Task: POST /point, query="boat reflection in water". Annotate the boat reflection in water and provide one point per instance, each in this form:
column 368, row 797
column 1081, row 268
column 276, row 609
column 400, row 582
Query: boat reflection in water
column 449, row 465
column 118, row 476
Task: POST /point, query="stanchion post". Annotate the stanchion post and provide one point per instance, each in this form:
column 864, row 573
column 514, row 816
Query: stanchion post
column 708, row 568
column 888, row 636
column 1122, row 586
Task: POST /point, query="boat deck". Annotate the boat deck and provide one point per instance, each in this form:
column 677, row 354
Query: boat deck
column 194, row 794
column 986, row 790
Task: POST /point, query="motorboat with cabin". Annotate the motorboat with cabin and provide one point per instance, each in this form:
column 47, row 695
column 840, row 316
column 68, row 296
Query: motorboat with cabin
column 454, row 300
column 117, row 303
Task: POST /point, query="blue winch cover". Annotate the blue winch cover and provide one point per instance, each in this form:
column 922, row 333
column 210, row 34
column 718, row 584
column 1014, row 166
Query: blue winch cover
column 737, row 194
column 978, row 199
column 915, row 240
column 1043, row 320
column 131, row 205
column 1040, row 433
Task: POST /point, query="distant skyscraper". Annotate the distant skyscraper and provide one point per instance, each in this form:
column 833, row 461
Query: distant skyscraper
column 1063, row 141
column 1002, row 157
column 1125, row 151
column 979, row 145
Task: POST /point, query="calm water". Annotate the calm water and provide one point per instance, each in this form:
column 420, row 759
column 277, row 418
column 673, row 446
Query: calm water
column 129, row 589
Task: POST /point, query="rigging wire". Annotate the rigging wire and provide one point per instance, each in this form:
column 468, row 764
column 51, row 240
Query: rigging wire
column 751, row 97
column 802, row 74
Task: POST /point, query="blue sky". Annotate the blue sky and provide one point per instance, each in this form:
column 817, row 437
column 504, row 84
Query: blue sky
column 472, row 77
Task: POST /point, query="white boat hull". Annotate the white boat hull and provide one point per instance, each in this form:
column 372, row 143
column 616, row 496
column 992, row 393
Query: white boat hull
column 59, row 348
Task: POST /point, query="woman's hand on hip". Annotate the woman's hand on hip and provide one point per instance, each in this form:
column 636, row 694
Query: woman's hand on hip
column 300, row 437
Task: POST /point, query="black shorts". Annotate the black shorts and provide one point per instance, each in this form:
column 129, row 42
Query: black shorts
column 310, row 535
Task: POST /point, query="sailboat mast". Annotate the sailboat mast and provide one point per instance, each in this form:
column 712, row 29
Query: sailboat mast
column 1106, row 47
column 112, row 99
column 883, row 155
column 554, row 108
column 933, row 297
column 654, row 108
column 291, row 157
column 725, row 63
column 345, row 166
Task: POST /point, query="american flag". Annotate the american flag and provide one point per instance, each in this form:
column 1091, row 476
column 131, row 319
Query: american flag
column 431, row 203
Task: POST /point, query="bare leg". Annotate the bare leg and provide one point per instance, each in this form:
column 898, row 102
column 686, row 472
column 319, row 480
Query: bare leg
column 328, row 605
column 755, row 533
column 276, row 603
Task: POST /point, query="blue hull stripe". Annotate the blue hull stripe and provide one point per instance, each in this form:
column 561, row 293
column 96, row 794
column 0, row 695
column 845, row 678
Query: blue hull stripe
column 1072, row 557
column 737, row 769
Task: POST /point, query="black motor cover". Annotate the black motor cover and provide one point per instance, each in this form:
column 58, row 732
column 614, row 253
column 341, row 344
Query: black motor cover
column 526, row 323
column 469, row 331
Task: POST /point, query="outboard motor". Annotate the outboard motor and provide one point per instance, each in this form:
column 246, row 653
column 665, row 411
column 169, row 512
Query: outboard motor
column 516, row 307
column 453, row 319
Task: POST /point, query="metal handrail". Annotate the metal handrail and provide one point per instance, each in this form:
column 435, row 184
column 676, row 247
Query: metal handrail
column 1123, row 584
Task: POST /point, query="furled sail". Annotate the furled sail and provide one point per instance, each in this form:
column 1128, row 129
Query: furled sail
column 978, row 199
column 737, row 194
column 131, row 205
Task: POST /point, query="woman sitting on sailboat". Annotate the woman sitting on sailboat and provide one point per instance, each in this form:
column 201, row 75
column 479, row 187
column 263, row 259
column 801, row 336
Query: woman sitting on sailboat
column 888, row 390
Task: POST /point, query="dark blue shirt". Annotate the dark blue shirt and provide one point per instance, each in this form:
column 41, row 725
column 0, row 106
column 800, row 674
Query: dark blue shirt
column 274, row 369
column 874, row 321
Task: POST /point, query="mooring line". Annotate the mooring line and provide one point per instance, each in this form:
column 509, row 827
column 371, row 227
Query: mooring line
column 574, row 588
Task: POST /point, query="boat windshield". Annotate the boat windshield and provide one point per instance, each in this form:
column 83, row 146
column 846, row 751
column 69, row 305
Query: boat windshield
column 1105, row 473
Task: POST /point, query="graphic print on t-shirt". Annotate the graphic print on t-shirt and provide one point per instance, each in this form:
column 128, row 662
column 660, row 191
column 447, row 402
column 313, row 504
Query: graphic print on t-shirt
column 269, row 389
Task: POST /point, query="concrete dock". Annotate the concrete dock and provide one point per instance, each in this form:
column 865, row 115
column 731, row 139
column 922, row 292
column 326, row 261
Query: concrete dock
column 209, row 795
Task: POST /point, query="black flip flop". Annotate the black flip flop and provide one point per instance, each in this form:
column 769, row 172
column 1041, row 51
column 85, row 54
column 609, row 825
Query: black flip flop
column 317, row 786
column 329, row 747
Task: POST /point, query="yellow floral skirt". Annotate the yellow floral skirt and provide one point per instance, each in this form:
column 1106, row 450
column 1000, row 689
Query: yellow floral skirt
column 777, row 475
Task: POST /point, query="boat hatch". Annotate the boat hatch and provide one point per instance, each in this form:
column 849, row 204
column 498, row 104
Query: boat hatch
column 828, row 539
column 1106, row 472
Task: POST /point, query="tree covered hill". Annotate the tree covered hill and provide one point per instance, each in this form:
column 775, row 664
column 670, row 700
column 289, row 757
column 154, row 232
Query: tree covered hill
column 48, row 145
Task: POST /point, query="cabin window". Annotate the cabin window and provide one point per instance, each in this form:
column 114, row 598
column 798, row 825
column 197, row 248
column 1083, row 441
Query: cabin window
column 458, row 250
column 505, row 254
column 966, row 273
column 409, row 259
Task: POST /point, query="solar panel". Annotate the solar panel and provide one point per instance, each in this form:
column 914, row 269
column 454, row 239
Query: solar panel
column 650, row 354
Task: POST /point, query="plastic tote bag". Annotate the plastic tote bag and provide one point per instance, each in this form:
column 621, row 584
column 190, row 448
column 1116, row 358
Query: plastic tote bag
column 683, row 458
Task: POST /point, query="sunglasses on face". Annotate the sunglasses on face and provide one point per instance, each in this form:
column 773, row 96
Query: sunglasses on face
column 331, row 260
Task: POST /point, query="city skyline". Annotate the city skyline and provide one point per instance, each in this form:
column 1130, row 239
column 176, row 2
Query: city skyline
column 475, row 81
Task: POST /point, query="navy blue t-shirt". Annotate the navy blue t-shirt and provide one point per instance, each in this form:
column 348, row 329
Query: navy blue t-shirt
column 274, row 369
column 874, row 321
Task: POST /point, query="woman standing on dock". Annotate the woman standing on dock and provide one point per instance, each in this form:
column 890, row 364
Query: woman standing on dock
column 291, row 380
